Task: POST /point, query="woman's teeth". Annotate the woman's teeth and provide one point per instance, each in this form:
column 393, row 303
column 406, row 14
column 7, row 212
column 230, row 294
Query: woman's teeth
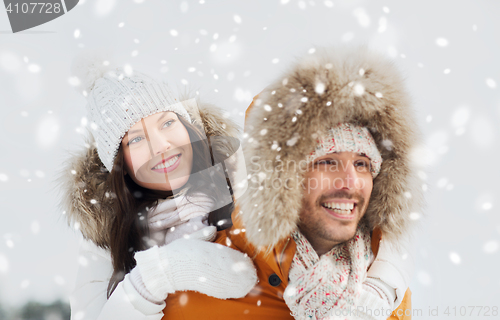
column 340, row 208
column 167, row 164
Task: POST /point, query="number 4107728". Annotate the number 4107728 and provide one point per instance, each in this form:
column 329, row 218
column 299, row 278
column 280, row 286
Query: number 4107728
column 471, row 310
column 32, row 7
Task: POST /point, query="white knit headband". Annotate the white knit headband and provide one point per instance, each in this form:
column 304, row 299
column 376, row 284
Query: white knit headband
column 348, row 137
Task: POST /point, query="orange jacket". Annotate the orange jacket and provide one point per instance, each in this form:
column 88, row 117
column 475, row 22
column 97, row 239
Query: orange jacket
column 265, row 301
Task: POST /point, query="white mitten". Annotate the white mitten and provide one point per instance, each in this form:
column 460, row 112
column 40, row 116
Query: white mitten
column 192, row 264
column 206, row 234
column 392, row 269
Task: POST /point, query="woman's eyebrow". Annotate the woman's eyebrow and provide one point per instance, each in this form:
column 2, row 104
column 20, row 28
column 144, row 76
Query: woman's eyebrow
column 159, row 119
column 134, row 131
column 166, row 113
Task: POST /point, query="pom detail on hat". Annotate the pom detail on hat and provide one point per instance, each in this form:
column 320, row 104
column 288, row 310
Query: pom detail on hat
column 87, row 68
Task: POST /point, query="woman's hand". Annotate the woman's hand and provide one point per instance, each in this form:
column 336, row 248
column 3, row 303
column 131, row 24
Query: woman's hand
column 196, row 265
column 392, row 269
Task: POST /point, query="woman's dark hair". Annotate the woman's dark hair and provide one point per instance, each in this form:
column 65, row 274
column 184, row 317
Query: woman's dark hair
column 129, row 231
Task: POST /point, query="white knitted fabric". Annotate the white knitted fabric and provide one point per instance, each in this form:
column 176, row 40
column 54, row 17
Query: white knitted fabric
column 192, row 264
column 333, row 281
column 119, row 100
column 394, row 266
column 348, row 137
column 178, row 217
column 331, row 286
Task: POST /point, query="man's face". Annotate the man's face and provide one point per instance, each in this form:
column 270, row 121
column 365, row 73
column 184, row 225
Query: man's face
column 337, row 189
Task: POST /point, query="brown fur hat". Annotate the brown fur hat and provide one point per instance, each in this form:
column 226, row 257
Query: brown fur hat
column 332, row 86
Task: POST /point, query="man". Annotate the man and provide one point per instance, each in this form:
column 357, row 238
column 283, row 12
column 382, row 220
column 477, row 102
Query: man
column 327, row 150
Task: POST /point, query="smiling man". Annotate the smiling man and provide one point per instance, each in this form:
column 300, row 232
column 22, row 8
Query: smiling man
column 333, row 253
column 330, row 191
column 342, row 115
column 338, row 185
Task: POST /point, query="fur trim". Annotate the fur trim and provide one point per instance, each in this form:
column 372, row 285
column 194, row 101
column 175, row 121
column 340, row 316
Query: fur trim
column 82, row 179
column 330, row 87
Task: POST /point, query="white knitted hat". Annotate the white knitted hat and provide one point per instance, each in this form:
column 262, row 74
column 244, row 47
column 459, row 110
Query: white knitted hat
column 348, row 137
column 117, row 100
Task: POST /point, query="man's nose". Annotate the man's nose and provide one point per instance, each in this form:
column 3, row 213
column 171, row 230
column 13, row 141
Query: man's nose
column 349, row 175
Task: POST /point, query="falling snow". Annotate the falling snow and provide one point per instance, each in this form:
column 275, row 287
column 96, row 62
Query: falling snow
column 34, row 68
column 487, row 206
column 491, row 246
column 455, row 258
column 35, row 227
column 424, row 278
column 362, row 17
column 320, row 88
column 4, row 264
column 491, row 83
column 456, row 132
column 382, row 24
column 442, row 42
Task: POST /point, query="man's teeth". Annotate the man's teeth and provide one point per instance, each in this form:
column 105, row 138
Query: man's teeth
column 343, row 208
column 167, row 164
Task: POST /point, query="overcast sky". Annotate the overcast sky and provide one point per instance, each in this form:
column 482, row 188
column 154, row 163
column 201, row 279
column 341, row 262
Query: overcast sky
column 229, row 51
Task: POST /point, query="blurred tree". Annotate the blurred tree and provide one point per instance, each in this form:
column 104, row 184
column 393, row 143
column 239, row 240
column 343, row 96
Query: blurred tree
column 3, row 313
column 57, row 310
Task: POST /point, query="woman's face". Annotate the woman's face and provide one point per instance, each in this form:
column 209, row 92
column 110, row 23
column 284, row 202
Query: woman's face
column 158, row 153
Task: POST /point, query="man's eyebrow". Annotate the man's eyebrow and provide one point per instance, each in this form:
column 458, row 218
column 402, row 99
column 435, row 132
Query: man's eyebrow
column 363, row 155
column 159, row 119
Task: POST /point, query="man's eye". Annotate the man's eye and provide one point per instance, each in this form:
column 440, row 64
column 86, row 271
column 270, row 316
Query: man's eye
column 168, row 123
column 326, row 162
column 362, row 164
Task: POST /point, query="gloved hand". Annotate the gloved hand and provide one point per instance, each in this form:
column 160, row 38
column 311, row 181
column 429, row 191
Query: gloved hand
column 392, row 269
column 196, row 265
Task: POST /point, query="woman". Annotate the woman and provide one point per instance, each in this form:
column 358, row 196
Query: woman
column 154, row 174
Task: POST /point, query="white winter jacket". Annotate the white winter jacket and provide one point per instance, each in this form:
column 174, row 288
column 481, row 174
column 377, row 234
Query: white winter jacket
column 88, row 300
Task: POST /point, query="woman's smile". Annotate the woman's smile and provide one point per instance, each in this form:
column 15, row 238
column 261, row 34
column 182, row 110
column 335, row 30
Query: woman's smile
column 168, row 164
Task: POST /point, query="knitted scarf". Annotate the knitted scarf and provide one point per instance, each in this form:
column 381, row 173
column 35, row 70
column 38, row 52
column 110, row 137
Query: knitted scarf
column 320, row 284
column 176, row 217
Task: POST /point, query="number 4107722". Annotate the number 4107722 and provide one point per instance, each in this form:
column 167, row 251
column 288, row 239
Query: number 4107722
column 32, row 7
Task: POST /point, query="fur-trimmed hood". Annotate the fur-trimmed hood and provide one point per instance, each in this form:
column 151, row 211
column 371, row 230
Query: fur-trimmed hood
column 83, row 176
column 332, row 86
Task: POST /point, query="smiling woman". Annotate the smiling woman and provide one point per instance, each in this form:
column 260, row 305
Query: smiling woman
column 157, row 152
column 145, row 194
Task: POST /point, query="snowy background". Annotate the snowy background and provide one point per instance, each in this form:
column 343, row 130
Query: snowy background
column 229, row 51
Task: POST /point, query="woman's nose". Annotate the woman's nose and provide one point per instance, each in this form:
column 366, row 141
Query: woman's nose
column 159, row 144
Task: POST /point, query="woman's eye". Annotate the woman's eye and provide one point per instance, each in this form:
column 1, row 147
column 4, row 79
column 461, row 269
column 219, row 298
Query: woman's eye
column 135, row 140
column 168, row 123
